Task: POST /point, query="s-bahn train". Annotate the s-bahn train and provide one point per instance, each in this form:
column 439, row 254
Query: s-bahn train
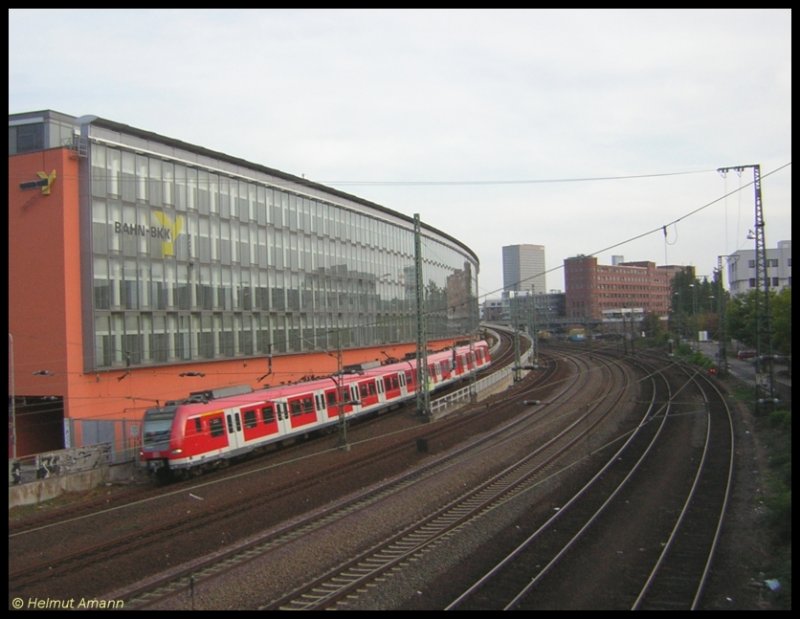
column 210, row 427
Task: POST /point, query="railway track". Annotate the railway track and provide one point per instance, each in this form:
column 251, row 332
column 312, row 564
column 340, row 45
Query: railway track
column 670, row 560
column 121, row 541
column 566, row 437
column 344, row 583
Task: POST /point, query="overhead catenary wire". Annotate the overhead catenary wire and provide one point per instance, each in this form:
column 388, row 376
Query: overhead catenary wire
column 515, row 182
column 662, row 228
column 535, row 181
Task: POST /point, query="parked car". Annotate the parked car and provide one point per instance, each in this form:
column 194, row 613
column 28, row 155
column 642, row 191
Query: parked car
column 746, row 354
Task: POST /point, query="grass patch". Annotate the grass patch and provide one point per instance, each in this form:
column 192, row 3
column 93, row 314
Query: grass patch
column 773, row 431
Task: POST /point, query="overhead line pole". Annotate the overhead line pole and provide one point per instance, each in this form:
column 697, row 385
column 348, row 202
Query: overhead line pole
column 423, row 396
column 763, row 326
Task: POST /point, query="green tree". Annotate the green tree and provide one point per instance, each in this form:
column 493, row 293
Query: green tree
column 781, row 308
column 651, row 325
column 742, row 325
column 741, row 315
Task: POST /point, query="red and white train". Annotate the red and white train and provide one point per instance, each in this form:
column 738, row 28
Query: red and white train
column 211, row 427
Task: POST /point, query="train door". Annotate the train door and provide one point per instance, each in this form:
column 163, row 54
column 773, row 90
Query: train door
column 401, row 379
column 322, row 406
column 381, row 392
column 235, row 435
column 282, row 417
column 355, row 397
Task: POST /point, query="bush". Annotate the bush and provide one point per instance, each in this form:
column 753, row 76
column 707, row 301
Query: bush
column 781, row 420
column 777, row 432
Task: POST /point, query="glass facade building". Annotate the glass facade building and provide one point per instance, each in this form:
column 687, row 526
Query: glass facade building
column 191, row 255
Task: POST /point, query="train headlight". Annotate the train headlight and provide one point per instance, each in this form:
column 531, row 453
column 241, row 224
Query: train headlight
column 177, row 452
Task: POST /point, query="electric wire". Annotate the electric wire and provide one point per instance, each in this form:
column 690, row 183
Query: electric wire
column 662, row 228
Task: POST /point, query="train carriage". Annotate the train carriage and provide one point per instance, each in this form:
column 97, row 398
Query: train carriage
column 211, row 427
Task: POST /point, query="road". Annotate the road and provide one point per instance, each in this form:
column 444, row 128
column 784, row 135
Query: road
column 744, row 370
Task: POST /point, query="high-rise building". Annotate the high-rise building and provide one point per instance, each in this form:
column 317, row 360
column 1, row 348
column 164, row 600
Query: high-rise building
column 524, row 268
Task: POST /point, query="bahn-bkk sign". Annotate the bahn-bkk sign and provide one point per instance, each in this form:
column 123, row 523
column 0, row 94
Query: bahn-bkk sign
column 167, row 232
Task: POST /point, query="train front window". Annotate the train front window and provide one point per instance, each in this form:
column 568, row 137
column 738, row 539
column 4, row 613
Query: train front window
column 157, row 427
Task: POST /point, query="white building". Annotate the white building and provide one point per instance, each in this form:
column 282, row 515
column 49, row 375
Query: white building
column 524, row 268
column 742, row 269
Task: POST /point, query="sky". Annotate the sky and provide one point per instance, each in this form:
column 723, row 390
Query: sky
column 587, row 131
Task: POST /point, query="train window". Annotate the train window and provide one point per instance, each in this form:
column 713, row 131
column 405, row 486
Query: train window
column 363, row 389
column 267, row 414
column 198, row 427
column 331, row 395
column 402, row 379
column 308, row 404
column 238, row 422
column 216, row 427
column 250, row 420
column 230, row 425
column 295, row 408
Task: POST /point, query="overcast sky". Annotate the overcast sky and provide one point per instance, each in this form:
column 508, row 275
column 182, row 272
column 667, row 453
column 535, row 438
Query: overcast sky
column 574, row 129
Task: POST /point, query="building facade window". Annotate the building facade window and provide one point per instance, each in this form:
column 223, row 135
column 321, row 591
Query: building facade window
column 188, row 263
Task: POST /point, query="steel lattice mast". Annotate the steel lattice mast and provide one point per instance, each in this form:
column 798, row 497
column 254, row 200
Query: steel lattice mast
column 423, row 396
column 764, row 380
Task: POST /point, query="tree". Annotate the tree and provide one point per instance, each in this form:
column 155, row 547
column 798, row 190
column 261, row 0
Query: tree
column 741, row 315
column 742, row 325
column 651, row 325
column 781, row 306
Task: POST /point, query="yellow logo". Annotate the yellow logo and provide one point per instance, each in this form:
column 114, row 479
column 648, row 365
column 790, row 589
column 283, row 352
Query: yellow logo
column 50, row 178
column 167, row 246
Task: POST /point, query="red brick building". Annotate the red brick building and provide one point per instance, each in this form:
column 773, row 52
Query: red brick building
column 593, row 288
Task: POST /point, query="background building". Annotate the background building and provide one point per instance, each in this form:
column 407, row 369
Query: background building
column 142, row 268
column 594, row 290
column 524, row 268
column 742, row 269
